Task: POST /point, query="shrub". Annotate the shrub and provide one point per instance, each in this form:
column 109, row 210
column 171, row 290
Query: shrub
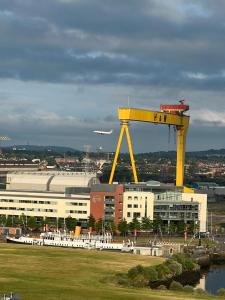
column 189, row 264
column 221, row 292
column 179, row 257
column 161, row 287
column 174, row 266
column 151, row 274
column 188, row 289
column 133, row 272
column 139, row 281
column 163, row 271
column 186, row 262
column 176, row 286
column 200, row 291
column 122, row 279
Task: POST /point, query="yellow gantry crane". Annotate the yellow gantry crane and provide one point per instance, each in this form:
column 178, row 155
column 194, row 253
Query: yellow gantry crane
column 169, row 114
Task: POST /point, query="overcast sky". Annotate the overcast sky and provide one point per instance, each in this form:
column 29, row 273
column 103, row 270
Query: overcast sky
column 67, row 65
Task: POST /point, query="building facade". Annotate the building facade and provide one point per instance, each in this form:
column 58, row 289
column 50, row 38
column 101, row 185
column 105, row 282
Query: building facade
column 45, row 205
column 62, row 194
column 168, row 203
column 138, row 204
column 107, row 202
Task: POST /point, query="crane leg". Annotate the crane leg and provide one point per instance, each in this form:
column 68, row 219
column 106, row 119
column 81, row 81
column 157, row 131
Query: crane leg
column 131, row 153
column 181, row 145
column 117, row 153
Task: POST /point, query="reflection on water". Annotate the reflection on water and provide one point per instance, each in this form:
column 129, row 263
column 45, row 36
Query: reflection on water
column 213, row 280
column 201, row 283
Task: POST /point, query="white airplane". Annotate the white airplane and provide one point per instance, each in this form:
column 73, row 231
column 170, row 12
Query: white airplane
column 103, row 132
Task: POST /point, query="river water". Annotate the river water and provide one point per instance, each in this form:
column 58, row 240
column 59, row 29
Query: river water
column 213, row 280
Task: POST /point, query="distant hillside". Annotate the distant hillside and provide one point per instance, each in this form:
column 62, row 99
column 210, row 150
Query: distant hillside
column 210, row 152
column 172, row 154
column 35, row 148
column 158, row 154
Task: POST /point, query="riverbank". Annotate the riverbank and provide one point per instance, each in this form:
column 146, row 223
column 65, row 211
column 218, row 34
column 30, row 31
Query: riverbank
column 178, row 267
column 180, row 272
column 185, row 278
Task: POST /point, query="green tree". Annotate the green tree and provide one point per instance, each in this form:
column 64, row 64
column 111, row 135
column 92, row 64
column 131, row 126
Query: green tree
column 134, row 226
column 191, row 227
column 22, row 220
column 60, row 223
column 9, row 221
column 70, row 223
column 157, row 225
column 181, row 226
column 111, row 226
column 146, row 223
column 2, row 220
column 16, row 221
column 51, row 222
column 91, row 222
column 32, row 223
column 99, row 226
column 172, row 228
column 123, row 227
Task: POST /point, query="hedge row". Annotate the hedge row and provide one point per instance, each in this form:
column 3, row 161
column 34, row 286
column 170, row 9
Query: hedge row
column 140, row 276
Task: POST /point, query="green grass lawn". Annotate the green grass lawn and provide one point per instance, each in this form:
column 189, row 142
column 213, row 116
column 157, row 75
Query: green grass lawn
column 53, row 273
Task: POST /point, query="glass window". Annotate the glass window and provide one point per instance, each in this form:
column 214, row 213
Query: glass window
column 137, row 215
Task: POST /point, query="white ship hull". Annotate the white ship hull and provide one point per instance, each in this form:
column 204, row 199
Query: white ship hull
column 68, row 243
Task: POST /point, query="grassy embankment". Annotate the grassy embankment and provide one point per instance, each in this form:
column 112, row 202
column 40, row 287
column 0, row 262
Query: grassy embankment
column 54, row 273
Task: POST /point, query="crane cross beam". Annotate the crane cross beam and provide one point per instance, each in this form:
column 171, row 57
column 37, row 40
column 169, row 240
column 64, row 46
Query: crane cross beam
column 141, row 115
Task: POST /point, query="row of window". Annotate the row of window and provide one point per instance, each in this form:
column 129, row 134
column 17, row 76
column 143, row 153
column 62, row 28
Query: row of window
column 168, row 197
column 134, row 215
column 110, row 205
column 109, row 198
column 177, row 214
column 109, row 213
column 136, row 198
column 29, row 209
column 77, row 203
column 28, row 201
column 176, row 207
column 76, row 211
column 134, row 205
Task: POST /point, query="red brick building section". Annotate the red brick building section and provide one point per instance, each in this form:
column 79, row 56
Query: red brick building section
column 106, row 202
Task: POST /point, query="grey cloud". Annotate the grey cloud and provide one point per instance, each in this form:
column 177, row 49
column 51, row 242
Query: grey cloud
column 154, row 42
column 65, row 67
